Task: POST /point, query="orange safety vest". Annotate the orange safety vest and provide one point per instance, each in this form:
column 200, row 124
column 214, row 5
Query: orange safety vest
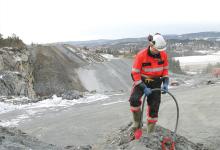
column 145, row 65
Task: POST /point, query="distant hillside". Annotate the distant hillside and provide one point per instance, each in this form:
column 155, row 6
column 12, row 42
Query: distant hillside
column 177, row 45
column 88, row 43
column 198, row 36
column 211, row 36
column 202, row 35
column 182, row 45
column 102, row 42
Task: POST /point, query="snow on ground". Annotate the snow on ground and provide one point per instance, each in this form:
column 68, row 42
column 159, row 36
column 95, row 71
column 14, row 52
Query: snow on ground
column 14, row 122
column 217, row 53
column 35, row 108
column 5, row 107
column 70, row 48
column 203, row 51
column 54, row 102
column 1, row 76
column 109, row 56
column 198, row 63
column 198, row 59
column 192, row 72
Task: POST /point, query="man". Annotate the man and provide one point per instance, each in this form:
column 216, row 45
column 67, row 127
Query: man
column 149, row 71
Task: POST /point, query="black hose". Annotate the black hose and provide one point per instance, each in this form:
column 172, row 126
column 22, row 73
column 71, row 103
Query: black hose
column 177, row 108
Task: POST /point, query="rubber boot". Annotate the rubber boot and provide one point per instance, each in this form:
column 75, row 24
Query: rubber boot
column 136, row 123
column 150, row 127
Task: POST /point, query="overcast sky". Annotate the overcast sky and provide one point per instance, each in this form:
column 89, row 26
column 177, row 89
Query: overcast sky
column 44, row 21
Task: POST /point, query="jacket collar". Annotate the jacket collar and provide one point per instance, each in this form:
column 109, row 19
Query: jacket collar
column 153, row 55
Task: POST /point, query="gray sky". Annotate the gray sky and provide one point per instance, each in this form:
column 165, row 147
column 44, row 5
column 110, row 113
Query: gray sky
column 44, row 21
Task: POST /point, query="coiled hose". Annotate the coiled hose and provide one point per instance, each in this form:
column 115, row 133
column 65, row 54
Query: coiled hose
column 177, row 108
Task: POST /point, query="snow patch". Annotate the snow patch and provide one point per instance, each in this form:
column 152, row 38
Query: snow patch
column 1, row 76
column 50, row 103
column 203, row 51
column 113, row 103
column 191, row 72
column 13, row 122
column 198, row 59
column 216, row 53
column 118, row 94
column 109, row 56
column 70, row 48
column 55, row 103
column 93, row 98
column 59, row 102
column 5, row 107
column 197, row 63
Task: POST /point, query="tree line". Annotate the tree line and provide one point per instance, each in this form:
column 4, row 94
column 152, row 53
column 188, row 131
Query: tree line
column 11, row 41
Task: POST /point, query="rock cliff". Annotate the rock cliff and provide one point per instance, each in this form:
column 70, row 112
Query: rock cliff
column 16, row 72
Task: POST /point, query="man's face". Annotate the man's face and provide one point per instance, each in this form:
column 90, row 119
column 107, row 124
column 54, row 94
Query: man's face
column 154, row 50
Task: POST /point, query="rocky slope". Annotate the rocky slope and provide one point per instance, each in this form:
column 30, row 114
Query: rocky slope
column 14, row 139
column 120, row 140
column 54, row 72
column 55, row 69
column 16, row 72
column 38, row 72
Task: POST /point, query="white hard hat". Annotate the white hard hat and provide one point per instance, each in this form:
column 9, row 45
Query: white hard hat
column 159, row 42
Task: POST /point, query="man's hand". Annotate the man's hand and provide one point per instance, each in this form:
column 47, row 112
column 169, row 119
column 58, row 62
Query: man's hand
column 164, row 88
column 165, row 85
column 147, row 91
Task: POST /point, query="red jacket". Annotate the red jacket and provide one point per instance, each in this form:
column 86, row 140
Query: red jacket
column 146, row 64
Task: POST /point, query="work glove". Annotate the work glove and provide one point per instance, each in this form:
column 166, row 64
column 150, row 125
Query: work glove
column 165, row 85
column 147, row 91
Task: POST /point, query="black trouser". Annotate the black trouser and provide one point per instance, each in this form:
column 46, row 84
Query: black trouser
column 153, row 100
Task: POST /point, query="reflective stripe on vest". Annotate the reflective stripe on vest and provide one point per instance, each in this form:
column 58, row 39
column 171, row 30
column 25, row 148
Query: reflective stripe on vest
column 137, row 82
column 135, row 70
column 165, row 67
column 153, row 69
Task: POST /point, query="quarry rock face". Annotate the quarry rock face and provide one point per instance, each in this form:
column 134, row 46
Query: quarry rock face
column 16, row 72
column 54, row 72
column 39, row 72
column 55, row 69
